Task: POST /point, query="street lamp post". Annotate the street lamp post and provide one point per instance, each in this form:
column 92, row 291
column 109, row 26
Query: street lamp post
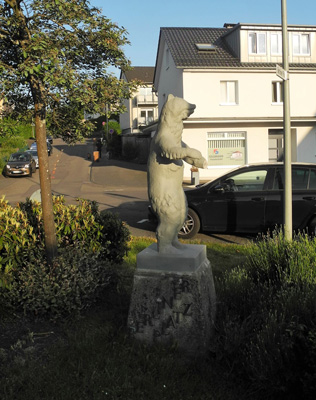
column 287, row 129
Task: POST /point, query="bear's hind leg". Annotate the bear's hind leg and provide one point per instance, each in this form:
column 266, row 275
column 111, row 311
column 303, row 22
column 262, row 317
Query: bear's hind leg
column 165, row 234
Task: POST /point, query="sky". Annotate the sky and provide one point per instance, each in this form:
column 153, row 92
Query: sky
column 143, row 19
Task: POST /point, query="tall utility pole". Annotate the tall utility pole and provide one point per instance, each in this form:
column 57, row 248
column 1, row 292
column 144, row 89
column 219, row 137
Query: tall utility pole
column 288, row 226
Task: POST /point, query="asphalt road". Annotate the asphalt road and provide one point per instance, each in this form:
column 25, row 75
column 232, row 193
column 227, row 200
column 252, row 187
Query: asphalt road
column 118, row 186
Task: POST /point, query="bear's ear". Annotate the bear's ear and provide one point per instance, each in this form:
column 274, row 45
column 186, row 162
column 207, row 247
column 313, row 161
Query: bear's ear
column 170, row 97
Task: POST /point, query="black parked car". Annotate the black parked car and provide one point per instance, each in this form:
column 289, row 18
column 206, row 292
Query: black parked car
column 250, row 199
column 21, row 163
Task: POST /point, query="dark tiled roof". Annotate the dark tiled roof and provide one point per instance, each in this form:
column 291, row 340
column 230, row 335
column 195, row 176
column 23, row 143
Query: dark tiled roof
column 144, row 74
column 182, row 45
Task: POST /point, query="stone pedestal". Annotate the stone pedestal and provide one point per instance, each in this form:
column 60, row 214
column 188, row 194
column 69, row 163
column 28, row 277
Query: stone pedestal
column 173, row 299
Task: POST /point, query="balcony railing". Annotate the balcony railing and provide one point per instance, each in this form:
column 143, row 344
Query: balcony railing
column 148, row 99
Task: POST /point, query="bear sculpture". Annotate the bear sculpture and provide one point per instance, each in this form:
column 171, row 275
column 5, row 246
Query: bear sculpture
column 165, row 173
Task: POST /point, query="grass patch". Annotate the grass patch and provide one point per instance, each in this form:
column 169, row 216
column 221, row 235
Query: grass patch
column 94, row 357
column 264, row 346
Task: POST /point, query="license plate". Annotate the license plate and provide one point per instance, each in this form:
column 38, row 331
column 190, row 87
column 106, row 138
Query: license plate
column 17, row 172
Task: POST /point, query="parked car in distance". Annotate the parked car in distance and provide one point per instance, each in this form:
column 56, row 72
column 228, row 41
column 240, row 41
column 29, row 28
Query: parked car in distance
column 20, row 164
column 49, row 138
column 49, row 147
column 35, row 156
column 250, row 199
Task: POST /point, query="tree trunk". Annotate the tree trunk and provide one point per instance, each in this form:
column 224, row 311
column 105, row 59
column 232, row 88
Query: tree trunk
column 45, row 181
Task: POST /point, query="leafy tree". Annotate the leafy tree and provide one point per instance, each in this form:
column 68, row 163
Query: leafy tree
column 54, row 57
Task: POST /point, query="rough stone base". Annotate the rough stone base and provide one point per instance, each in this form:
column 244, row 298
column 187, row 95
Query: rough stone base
column 173, row 299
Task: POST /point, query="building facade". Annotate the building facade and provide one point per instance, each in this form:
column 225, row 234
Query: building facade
column 230, row 74
column 142, row 108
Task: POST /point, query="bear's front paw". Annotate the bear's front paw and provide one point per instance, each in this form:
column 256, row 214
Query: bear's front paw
column 197, row 162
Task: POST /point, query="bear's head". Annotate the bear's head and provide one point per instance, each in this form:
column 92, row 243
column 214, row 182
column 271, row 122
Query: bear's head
column 177, row 108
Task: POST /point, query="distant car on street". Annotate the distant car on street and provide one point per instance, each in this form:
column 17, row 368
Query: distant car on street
column 20, row 164
column 49, row 147
column 35, row 156
column 49, row 138
column 249, row 199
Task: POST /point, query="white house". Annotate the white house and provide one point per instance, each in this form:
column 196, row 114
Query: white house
column 142, row 108
column 230, row 74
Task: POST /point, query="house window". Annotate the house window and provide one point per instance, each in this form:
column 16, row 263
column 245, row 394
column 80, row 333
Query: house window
column 226, row 148
column 276, row 145
column 146, row 117
column 276, row 43
column 229, row 92
column 277, row 92
column 301, row 44
column 257, row 43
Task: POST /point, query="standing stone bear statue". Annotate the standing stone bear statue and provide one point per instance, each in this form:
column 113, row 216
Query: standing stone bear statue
column 165, row 173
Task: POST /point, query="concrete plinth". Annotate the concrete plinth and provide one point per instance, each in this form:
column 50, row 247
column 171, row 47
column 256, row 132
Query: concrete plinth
column 173, row 299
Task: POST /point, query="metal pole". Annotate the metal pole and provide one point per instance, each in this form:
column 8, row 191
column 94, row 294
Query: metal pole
column 107, row 121
column 288, row 227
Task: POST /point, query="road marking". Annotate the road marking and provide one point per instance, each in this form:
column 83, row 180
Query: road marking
column 142, row 221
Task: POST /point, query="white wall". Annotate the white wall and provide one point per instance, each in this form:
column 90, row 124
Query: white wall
column 125, row 118
column 254, row 94
column 170, row 80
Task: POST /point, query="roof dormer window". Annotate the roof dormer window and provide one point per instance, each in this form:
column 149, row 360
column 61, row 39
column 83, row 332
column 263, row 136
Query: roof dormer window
column 301, row 44
column 257, row 42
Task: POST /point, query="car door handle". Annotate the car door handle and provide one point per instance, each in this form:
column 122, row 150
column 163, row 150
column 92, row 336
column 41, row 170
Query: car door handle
column 309, row 198
column 257, row 199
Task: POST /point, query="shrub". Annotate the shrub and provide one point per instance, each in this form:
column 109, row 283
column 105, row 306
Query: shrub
column 96, row 231
column 18, row 241
column 266, row 319
column 113, row 125
column 68, row 286
column 114, row 236
column 89, row 242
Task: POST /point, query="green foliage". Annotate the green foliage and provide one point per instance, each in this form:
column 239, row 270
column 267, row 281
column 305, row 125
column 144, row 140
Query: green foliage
column 266, row 319
column 113, row 125
column 18, row 241
column 13, row 127
column 114, row 236
column 58, row 58
column 62, row 289
column 88, row 241
column 96, row 231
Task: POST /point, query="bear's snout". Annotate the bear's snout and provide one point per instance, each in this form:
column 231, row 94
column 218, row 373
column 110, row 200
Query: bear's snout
column 191, row 108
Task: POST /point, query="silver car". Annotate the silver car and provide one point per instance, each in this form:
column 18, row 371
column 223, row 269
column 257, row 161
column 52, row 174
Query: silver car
column 35, row 156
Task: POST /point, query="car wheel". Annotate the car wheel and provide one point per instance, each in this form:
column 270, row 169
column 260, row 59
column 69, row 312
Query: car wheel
column 191, row 226
column 31, row 172
column 312, row 227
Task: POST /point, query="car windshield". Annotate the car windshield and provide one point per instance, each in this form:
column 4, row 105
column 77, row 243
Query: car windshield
column 19, row 157
column 33, row 152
